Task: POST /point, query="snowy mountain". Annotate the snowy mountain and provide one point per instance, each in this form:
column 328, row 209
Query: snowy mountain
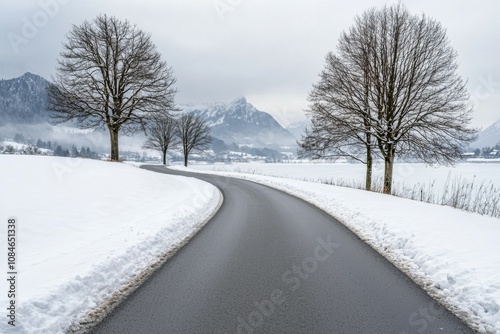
column 297, row 128
column 489, row 136
column 23, row 100
column 241, row 123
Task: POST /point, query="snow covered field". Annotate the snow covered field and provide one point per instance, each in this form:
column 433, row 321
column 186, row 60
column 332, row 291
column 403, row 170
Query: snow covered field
column 85, row 228
column 472, row 186
column 452, row 254
column 408, row 174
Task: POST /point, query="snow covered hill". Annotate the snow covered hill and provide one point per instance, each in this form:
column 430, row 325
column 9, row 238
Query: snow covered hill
column 23, row 100
column 86, row 228
column 241, row 123
column 297, row 128
column 489, row 136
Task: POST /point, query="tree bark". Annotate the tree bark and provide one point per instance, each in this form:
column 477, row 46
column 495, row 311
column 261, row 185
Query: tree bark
column 113, row 135
column 165, row 157
column 369, row 165
column 369, row 158
column 185, row 160
column 389, row 166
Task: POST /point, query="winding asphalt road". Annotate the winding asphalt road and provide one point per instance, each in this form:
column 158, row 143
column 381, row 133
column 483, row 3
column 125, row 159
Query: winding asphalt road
column 271, row 263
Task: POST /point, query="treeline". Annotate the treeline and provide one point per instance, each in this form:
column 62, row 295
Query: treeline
column 21, row 139
column 41, row 147
column 24, row 150
column 75, row 153
column 488, row 152
column 221, row 148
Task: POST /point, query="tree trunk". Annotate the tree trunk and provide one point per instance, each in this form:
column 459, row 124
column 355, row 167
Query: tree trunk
column 389, row 165
column 165, row 157
column 369, row 168
column 185, row 160
column 113, row 134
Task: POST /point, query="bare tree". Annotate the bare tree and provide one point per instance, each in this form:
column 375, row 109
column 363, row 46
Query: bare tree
column 162, row 134
column 194, row 134
column 110, row 75
column 401, row 70
column 420, row 99
column 340, row 114
column 339, row 103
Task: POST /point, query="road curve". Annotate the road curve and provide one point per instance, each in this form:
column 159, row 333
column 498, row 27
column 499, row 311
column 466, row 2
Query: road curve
column 271, row 263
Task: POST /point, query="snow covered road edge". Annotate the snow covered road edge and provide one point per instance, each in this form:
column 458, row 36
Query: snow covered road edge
column 97, row 314
column 461, row 273
column 91, row 231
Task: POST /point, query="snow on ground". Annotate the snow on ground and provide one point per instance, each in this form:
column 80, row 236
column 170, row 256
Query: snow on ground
column 85, row 229
column 407, row 174
column 453, row 254
column 17, row 146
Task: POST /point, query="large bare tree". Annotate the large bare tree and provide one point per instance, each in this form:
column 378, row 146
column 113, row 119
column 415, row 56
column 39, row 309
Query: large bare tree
column 401, row 70
column 194, row 134
column 162, row 134
column 421, row 102
column 110, row 75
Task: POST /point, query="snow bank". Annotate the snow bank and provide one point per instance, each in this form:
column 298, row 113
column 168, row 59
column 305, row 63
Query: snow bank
column 86, row 228
column 452, row 254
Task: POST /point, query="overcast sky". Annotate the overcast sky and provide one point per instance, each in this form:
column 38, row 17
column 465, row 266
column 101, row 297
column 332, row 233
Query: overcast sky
column 268, row 51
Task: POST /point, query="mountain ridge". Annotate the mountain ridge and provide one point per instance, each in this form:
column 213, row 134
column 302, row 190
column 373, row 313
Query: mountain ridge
column 239, row 122
column 297, row 128
column 490, row 136
column 24, row 100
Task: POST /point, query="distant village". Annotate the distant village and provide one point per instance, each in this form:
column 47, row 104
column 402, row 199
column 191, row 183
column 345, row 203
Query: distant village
column 21, row 145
